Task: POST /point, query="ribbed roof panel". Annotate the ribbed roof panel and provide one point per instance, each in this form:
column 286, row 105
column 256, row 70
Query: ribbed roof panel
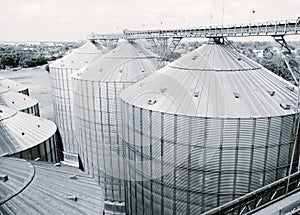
column 15, row 100
column 77, row 58
column 10, row 84
column 23, row 130
column 127, row 62
column 30, row 190
column 214, row 81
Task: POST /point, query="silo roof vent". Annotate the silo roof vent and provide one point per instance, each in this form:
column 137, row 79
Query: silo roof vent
column 72, row 197
column 196, row 94
column 3, row 178
column 271, row 92
column 236, row 95
column 291, row 88
column 162, row 90
column 73, row 177
column 151, row 101
column 285, row 105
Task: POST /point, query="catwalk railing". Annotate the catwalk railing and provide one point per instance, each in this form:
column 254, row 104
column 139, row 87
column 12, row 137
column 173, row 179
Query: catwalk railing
column 260, row 198
column 268, row 28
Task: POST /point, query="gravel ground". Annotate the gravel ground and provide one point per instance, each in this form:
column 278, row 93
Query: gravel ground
column 38, row 81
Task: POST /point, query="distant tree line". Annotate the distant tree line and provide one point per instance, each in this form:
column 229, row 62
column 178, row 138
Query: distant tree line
column 272, row 58
column 30, row 56
column 13, row 57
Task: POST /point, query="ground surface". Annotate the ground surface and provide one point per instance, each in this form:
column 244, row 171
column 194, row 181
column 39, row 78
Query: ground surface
column 38, row 81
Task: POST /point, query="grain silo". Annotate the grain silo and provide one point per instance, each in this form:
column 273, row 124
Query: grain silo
column 204, row 130
column 19, row 101
column 30, row 187
column 97, row 114
column 10, row 84
column 60, row 72
column 26, row 136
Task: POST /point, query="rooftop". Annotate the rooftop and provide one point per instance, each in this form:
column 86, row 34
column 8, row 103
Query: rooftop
column 127, row 62
column 15, row 100
column 214, row 81
column 77, row 58
column 43, row 188
column 20, row 131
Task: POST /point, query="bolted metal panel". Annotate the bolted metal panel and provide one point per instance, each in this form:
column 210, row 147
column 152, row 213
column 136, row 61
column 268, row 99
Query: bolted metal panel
column 10, row 84
column 61, row 86
column 205, row 130
column 18, row 101
column 28, row 136
column 98, row 117
column 204, row 160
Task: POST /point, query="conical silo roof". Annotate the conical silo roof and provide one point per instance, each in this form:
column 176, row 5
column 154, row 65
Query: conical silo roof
column 10, row 84
column 16, row 100
column 30, row 187
column 214, row 81
column 21, row 131
column 77, row 58
column 127, row 62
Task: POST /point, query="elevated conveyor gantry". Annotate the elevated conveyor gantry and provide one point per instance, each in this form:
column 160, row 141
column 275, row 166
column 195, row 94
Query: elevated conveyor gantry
column 166, row 40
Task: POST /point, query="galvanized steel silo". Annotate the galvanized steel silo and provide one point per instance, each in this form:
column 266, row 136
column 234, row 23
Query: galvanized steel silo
column 26, row 136
column 60, row 73
column 208, row 128
column 19, row 101
column 97, row 114
column 10, row 84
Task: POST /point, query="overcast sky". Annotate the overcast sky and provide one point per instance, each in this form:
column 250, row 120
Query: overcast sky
column 39, row 20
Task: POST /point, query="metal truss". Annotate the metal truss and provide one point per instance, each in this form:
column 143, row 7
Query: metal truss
column 269, row 28
column 258, row 199
column 287, row 57
column 164, row 47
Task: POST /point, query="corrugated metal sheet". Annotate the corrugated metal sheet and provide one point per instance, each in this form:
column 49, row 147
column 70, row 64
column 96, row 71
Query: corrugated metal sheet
column 127, row 62
column 41, row 188
column 203, row 131
column 61, row 71
column 10, row 84
column 214, row 81
column 77, row 58
column 18, row 101
column 21, row 132
column 97, row 111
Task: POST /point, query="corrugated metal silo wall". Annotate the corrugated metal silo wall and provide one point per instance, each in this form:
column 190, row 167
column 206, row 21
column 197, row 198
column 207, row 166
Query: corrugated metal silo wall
column 61, row 85
column 25, row 92
column 97, row 116
column 187, row 165
column 45, row 151
column 34, row 110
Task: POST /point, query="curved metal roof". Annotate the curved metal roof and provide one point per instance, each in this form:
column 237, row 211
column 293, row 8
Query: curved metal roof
column 15, row 100
column 10, row 84
column 41, row 188
column 214, row 81
column 127, row 62
column 20, row 131
column 77, row 58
